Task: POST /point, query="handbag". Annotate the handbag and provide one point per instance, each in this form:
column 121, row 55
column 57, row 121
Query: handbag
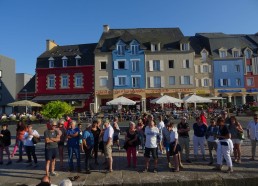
column 241, row 136
column 35, row 140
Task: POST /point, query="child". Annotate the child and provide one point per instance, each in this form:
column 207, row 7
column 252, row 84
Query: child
column 5, row 141
column 175, row 148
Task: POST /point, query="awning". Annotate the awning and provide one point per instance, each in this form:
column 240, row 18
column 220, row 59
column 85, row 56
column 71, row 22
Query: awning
column 62, row 97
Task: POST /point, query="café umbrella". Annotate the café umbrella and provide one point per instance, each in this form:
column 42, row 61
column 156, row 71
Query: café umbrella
column 121, row 101
column 24, row 103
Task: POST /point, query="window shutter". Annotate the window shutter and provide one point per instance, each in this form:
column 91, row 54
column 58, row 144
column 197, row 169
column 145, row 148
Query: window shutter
column 210, row 82
column 162, row 79
column 116, row 81
column 151, row 81
column 191, row 80
column 201, row 68
column 202, row 82
column 197, row 82
column 209, row 68
column 126, row 64
column 150, row 65
column 229, row 82
column 182, row 80
column 115, row 64
column 161, row 65
column 196, row 68
column 221, row 82
column 190, row 63
column 184, row 63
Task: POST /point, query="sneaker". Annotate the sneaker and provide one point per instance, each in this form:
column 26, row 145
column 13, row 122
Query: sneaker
column 155, row 170
column 170, row 165
column 230, row 170
column 53, row 174
column 145, row 170
column 9, row 163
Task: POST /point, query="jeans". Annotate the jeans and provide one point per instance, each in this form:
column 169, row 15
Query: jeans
column 87, row 158
column 7, row 152
column 253, row 145
column 20, row 145
column 131, row 151
column 30, row 150
column 76, row 151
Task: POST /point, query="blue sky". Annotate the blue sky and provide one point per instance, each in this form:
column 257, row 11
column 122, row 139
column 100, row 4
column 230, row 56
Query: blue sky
column 25, row 25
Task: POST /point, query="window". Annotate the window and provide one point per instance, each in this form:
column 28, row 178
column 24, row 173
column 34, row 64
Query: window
column 134, row 49
column 237, row 67
column 135, row 82
column 235, row 53
column 51, row 81
column 171, row 64
column 103, row 65
column 157, row 81
column 78, row 80
column 78, row 60
column 186, row 63
column 121, row 81
column 224, row 82
column 206, row 82
column 120, row 50
column 64, row 62
column 186, row 80
column 204, row 55
column 205, row 68
column 248, row 53
column 103, row 81
column 238, row 82
column 172, row 80
column 248, row 68
column 155, row 47
column 222, row 54
column 121, row 64
column 64, row 81
column 250, row 82
column 156, row 65
column 224, row 68
column 51, row 64
column 185, row 46
column 135, row 66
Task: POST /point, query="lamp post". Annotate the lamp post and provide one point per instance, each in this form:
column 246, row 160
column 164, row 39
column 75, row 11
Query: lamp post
column 25, row 90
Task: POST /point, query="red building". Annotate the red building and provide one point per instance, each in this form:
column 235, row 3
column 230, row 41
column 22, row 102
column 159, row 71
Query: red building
column 66, row 73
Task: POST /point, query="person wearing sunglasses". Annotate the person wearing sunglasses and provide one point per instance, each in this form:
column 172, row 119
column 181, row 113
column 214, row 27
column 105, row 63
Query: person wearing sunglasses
column 252, row 134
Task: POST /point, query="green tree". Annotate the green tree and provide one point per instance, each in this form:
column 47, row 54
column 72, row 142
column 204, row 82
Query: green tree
column 56, row 109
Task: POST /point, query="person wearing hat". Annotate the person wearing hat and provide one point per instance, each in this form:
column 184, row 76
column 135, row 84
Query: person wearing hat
column 88, row 144
column 183, row 129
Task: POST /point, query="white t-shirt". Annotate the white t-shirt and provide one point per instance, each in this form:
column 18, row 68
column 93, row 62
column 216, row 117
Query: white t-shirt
column 160, row 126
column 253, row 130
column 151, row 137
column 173, row 135
column 108, row 133
column 28, row 141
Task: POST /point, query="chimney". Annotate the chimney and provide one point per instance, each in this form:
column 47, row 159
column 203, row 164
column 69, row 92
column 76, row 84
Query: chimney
column 105, row 28
column 50, row 44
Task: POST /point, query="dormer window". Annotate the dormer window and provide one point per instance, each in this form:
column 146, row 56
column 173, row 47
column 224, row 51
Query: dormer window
column 235, row 52
column 222, row 53
column 120, row 47
column 51, row 62
column 134, row 45
column 64, row 59
column 204, row 54
column 248, row 53
column 155, row 47
column 77, row 60
column 185, row 47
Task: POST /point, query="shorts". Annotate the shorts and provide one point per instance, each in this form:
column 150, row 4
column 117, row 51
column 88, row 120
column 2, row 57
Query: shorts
column 60, row 144
column 50, row 154
column 166, row 145
column 153, row 151
column 107, row 150
column 237, row 141
column 115, row 138
column 172, row 152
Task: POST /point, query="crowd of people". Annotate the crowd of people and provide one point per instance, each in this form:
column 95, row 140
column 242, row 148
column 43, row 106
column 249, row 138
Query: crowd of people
column 154, row 136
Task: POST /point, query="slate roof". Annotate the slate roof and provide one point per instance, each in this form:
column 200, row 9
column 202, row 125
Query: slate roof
column 30, row 86
column 215, row 41
column 85, row 51
column 167, row 37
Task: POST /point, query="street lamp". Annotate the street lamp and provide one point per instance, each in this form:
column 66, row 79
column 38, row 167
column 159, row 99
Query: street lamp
column 25, row 90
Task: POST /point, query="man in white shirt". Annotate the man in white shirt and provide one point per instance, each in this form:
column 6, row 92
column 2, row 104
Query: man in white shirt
column 108, row 142
column 151, row 145
column 252, row 134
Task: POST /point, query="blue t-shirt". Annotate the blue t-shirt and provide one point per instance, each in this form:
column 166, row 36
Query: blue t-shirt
column 73, row 142
column 88, row 136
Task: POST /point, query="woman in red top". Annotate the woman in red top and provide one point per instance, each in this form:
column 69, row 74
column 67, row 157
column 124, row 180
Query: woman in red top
column 20, row 131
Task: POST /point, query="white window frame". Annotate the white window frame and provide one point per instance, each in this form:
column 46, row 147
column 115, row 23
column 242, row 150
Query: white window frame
column 101, row 63
column 156, row 65
column 78, row 80
column 236, row 53
column 64, row 81
column 136, row 80
column 237, row 68
column 204, row 54
column 238, row 82
column 223, row 53
column 248, row 53
column 249, row 68
column 77, row 60
column 224, row 82
column 51, row 81
column 101, row 79
column 183, row 78
column 187, row 63
column 51, row 64
column 134, row 49
column 185, row 47
column 250, row 82
column 206, row 82
column 205, row 68
column 157, row 81
column 121, row 49
column 135, row 65
column 122, row 80
column 224, row 68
